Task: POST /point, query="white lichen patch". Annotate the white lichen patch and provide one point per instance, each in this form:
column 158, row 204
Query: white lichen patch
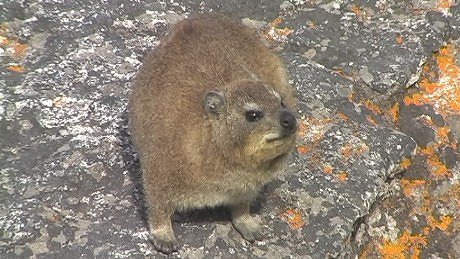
column 72, row 113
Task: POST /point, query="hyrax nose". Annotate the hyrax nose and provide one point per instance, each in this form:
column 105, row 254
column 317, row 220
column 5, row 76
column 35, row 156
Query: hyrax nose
column 288, row 121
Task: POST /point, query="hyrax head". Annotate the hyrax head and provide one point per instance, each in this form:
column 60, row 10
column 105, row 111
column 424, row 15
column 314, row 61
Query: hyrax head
column 251, row 122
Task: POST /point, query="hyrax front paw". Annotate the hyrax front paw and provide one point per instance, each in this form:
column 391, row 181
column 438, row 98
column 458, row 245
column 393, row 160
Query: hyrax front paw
column 164, row 240
column 248, row 228
column 164, row 246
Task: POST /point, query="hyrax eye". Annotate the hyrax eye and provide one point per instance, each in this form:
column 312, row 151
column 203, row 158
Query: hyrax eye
column 253, row 116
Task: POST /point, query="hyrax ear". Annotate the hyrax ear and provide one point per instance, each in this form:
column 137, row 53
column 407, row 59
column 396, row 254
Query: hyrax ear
column 214, row 102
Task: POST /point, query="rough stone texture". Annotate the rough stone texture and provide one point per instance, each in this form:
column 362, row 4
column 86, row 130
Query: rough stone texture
column 345, row 39
column 69, row 178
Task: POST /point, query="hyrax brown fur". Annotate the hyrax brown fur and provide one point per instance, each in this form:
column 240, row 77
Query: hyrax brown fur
column 212, row 118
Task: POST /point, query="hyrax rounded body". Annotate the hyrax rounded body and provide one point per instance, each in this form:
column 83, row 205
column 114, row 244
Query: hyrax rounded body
column 212, row 118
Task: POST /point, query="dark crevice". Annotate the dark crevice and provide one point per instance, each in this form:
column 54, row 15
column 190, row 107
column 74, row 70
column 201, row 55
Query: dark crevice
column 351, row 247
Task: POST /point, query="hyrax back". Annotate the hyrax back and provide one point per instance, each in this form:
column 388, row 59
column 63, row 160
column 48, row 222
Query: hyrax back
column 212, row 119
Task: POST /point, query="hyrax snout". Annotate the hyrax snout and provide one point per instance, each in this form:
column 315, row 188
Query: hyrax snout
column 212, row 118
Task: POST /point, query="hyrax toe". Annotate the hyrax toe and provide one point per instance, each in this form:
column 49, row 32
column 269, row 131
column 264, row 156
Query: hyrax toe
column 244, row 223
column 163, row 239
column 248, row 228
column 164, row 245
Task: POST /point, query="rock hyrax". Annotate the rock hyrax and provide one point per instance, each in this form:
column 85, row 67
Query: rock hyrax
column 212, row 118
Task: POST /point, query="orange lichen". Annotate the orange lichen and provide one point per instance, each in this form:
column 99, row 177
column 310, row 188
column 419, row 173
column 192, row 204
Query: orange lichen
column 356, row 10
column 428, row 151
column 293, row 217
column 16, row 68
column 350, row 150
column 405, row 163
column 359, row 12
column 405, row 246
column 416, row 99
column 302, row 128
column 393, row 250
column 439, row 87
column 371, row 120
column 441, row 171
column 12, row 48
column 346, row 151
column 454, row 104
column 311, row 132
column 280, row 31
column 366, row 251
column 277, row 21
column 19, row 50
column 428, row 86
column 372, row 107
column 394, row 112
column 312, row 25
column 55, row 217
column 426, row 231
column 59, row 101
column 408, row 186
column 444, row 94
column 444, row 4
column 399, row 39
column 438, row 169
column 442, row 133
column 312, row 129
column 342, row 116
column 453, row 144
column 4, row 41
column 284, row 31
column 442, row 224
column 340, row 72
column 342, row 176
column 273, row 34
column 303, row 149
column 407, row 100
column 327, row 169
column 350, row 96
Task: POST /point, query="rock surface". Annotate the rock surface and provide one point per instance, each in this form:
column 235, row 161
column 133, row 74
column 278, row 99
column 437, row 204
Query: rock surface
column 374, row 100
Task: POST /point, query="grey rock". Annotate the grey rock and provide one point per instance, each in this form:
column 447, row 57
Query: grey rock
column 30, row 192
column 456, row 244
column 309, row 53
column 457, row 59
column 257, row 25
column 454, row 125
column 366, row 76
column 395, row 64
column 25, row 125
column 454, row 21
column 61, row 239
column 413, row 126
column 287, row 6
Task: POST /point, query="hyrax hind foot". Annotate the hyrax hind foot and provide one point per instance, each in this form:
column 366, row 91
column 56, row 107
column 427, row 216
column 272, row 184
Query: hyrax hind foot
column 245, row 224
column 163, row 239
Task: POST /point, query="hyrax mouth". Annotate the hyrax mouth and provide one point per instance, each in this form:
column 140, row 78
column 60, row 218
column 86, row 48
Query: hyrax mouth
column 270, row 137
column 276, row 138
column 286, row 128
